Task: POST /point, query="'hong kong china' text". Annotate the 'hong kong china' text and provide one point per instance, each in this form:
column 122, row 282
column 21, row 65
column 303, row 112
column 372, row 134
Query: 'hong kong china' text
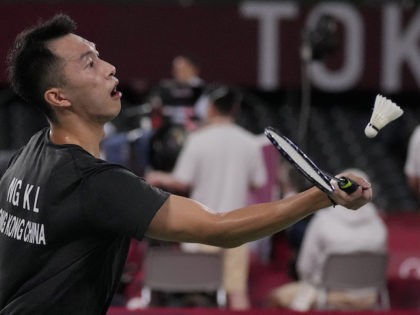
column 24, row 196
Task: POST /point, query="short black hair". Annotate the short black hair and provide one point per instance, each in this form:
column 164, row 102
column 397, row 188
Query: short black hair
column 226, row 99
column 32, row 67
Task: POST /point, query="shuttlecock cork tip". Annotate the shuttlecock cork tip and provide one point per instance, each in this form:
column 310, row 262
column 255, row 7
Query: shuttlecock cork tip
column 371, row 131
column 384, row 111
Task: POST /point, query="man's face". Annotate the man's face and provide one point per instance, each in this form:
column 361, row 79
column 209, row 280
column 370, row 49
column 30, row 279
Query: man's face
column 183, row 71
column 90, row 82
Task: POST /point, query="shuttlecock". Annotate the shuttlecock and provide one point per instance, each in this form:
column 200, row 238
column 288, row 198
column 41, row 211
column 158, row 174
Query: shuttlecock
column 384, row 111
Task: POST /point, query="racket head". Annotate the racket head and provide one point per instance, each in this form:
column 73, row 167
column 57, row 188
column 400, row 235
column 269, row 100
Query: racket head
column 292, row 153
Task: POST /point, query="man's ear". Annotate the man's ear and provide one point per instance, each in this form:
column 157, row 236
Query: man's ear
column 56, row 98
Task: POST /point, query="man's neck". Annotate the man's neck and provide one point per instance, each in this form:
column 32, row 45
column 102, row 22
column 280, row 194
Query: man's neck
column 87, row 138
column 218, row 119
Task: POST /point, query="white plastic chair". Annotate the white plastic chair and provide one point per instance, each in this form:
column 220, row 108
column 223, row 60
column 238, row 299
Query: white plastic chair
column 357, row 270
column 175, row 271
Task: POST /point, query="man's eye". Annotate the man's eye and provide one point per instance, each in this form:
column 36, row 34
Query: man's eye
column 90, row 63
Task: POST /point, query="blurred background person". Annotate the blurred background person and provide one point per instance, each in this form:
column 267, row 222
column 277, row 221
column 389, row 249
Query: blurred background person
column 154, row 132
column 333, row 230
column 178, row 98
column 177, row 107
column 218, row 166
column 412, row 163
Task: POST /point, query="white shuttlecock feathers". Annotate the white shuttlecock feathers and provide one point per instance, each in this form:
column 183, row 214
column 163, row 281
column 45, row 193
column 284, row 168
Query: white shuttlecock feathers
column 384, row 111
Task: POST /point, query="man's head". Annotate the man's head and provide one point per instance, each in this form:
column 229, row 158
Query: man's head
column 185, row 68
column 33, row 68
column 224, row 99
column 61, row 73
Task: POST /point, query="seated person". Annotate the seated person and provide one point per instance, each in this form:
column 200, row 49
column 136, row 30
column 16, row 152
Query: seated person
column 412, row 163
column 332, row 230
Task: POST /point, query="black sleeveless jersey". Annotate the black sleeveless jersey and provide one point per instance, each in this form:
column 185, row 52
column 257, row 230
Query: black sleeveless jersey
column 66, row 220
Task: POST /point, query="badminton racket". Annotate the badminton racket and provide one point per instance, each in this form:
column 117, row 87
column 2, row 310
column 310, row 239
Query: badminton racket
column 306, row 166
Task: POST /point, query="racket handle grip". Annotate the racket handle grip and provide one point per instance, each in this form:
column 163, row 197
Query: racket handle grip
column 347, row 185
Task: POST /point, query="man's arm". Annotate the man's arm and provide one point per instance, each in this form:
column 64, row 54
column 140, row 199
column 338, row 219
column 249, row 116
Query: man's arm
column 184, row 220
column 166, row 181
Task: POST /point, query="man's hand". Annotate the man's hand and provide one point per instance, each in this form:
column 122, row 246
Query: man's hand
column 358, row 198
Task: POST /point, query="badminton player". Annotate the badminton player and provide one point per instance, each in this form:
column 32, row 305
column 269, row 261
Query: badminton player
column 66, row 216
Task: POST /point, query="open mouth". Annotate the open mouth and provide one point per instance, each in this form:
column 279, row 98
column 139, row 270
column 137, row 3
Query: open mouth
column 115, row 92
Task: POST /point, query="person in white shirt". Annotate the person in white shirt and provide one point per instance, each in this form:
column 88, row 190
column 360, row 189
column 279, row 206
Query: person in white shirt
column 333, row 230
column 219, row 164
column 412, row 163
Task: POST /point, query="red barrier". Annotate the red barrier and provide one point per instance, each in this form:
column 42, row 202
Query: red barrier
column 200, row 311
